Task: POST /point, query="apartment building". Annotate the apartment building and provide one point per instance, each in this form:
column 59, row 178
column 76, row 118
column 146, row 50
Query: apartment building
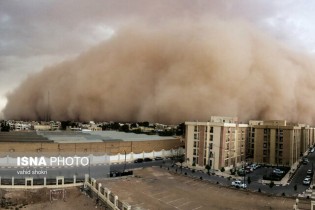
column 220, row 142
column 307, row 137
column 277, row 142
column 250, row 142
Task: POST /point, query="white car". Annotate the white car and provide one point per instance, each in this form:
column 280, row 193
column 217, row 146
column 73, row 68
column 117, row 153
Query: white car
column 239, row 184
column 307, row 181
column 277, row 171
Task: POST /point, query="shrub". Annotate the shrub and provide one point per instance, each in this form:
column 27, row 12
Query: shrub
column 201, row 178
column 232, row 171
column 185, row 173
column 194, row 164
column 271, row 184
column 283, row 194
column 259, row 190
column 222, row 169
column 249, row 180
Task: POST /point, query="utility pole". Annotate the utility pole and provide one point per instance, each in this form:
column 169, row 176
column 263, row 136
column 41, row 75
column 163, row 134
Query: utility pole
column 125, row 162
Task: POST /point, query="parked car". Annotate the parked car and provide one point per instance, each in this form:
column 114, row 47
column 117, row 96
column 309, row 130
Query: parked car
column 147, row 159
column 277, row 171
column 307, row 181
column 239, row 184
column 254, row 166
column 139, row 160
column 249, row 169
column 305, row 161
column 158, row 158
column 309, row 172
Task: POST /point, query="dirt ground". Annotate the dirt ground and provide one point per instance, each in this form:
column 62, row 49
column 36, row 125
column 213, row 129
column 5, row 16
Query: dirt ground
column 40, row 199
column 152, row 188
column 155, row 188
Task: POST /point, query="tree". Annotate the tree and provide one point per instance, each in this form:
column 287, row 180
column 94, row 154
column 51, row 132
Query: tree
column 5, row 127
column 125, row 128
column 271, row 184
column 222, row 169
column 249, row 180
column 181, row 159
column 208, row 167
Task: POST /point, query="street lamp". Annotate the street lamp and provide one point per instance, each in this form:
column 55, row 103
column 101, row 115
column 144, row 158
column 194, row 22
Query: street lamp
column 125, row 162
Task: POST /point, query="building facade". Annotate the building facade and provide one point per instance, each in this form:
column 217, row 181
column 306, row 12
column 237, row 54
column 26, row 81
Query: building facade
column 277, row 143
column 219, row 142
column 250, row 142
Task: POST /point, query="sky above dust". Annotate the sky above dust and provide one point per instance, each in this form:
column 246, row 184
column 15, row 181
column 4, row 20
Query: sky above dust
column 167, row 61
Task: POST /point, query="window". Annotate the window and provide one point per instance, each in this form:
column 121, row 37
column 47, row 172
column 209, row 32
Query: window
column 281, row 146
column 226, row 163
column 210, row 146
column 211, row 137
column 196, row 136
column 265, row 145
column 196, row 128
column 211, row 129
column 265, row 152
column 195, row 144
column 265, row 131
column 280, row 153
column 195, row 152
column 281, row 138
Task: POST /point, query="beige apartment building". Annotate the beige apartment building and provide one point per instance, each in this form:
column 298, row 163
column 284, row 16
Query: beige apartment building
column 219, row 142
column 250, row 142
column 307, row 137
column 277, row 143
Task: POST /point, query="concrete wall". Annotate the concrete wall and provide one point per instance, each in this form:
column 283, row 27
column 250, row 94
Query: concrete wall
column 111, row 148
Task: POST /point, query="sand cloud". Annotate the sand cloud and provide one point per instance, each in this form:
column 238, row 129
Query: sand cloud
column 173, row 72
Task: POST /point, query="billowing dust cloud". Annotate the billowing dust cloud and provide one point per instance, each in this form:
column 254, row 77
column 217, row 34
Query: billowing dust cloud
column 171, row 73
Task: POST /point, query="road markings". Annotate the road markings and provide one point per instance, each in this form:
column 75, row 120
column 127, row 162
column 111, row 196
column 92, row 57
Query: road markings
column 158, row 193
column 175, row 200
column 184, row 204
column 197, row 208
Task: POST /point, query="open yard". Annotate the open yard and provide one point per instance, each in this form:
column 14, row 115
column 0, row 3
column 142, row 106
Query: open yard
column 155, row 188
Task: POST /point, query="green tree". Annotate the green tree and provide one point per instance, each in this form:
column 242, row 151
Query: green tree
column 4, row 127
column 271, row 184
column 208, row 167
column 222, row 169
column 249, row 180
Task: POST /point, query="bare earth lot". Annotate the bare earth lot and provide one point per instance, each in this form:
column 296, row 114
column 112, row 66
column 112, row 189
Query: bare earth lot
column 155, row 188
column 40, row 199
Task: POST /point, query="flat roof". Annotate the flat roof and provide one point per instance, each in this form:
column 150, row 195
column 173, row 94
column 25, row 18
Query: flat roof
column 98, row 136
